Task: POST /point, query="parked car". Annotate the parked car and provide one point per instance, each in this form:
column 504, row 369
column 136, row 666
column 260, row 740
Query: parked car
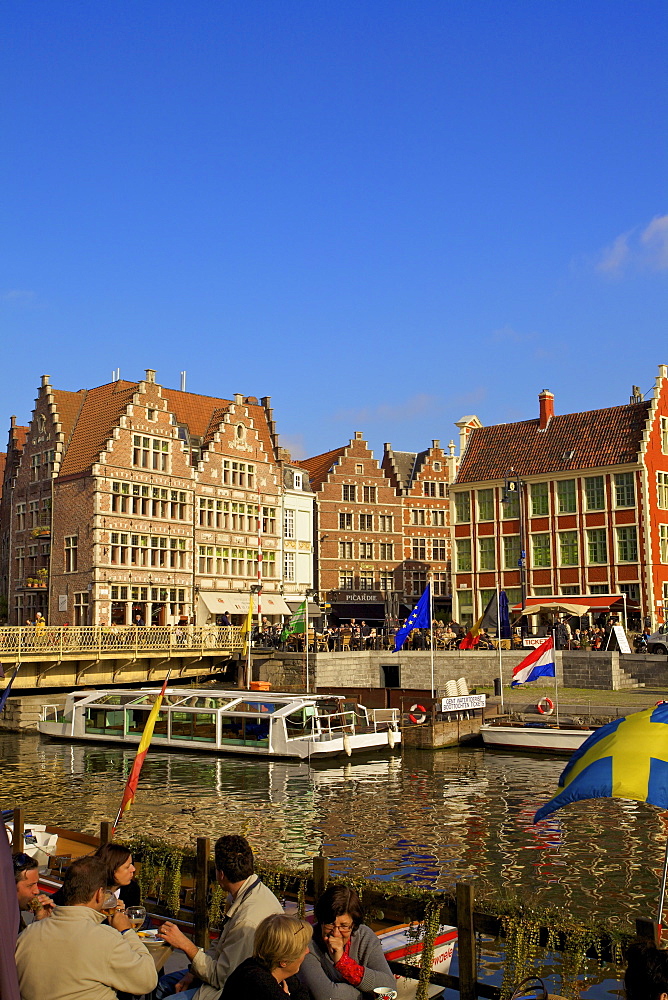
column 658, row 641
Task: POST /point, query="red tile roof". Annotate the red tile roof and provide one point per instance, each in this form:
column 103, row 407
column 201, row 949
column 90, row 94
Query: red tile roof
column 596, row 438
column 90, row 415
column 203, row 414
column 318, row 466
column 68, row 406
column 99, row 413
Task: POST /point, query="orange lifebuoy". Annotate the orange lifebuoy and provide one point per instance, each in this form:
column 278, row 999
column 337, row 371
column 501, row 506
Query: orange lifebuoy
column 418, row 719
column 545, row 706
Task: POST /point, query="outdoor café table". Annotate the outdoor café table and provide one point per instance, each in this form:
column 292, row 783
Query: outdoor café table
column 159, row 952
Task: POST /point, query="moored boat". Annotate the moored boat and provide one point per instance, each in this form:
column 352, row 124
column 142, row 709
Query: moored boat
column 537, row 736
column 264, row 724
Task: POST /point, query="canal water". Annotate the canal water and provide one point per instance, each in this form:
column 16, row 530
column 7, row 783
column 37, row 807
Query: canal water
column 428, row 818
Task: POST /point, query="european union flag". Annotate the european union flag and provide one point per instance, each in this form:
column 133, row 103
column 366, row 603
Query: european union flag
column 418, row 618
column 627, row 759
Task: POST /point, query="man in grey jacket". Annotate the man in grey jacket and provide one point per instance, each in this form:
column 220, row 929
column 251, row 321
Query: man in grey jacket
column 74, row 954
column 249, row 902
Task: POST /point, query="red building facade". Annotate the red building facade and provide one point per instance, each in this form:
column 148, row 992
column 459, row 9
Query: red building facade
column 570, row 505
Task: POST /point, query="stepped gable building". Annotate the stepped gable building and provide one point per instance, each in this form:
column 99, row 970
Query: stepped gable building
column 422, row 481
column 132, row 502
column 571, row 505
column 11, row 458
column 358, row 531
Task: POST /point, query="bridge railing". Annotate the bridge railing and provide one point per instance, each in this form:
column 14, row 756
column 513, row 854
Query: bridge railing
column 54, row 640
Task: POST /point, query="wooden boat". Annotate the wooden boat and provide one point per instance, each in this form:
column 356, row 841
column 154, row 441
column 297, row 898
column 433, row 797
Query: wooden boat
column 542, row 737
column 264, row 724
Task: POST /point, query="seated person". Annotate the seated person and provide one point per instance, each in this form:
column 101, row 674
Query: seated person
column 249, row 902
column 345, row 958
column 26, row 876
column 120, row 875
column 281, row 944
column 646, row 975
column 75, row 954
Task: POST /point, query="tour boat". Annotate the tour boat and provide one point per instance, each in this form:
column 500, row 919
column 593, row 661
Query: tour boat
column 537, row 736
column 262, row 724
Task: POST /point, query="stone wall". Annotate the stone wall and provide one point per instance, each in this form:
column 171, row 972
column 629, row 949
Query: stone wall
column 364, row 669
column 22, row 712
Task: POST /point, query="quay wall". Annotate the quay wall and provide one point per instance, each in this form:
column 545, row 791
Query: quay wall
column 21, row 713
column 606, row 671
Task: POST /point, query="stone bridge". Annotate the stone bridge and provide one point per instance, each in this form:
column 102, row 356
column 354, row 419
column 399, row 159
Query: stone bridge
column 100, row 655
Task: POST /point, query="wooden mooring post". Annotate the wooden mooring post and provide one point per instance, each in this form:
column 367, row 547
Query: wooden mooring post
column 17, row 835
column 201, row 934
column 106, row 830
column 468, row 980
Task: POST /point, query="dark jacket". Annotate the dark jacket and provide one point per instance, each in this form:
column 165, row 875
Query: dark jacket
column 251, row 981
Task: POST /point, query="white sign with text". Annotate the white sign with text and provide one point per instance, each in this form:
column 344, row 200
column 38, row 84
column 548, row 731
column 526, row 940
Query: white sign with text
column 463, row 703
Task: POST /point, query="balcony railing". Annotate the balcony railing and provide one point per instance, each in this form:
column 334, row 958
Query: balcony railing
column 59, row 641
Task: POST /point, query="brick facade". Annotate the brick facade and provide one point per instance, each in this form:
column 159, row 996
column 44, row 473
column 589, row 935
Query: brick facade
column 131, row 499
column 593, row 489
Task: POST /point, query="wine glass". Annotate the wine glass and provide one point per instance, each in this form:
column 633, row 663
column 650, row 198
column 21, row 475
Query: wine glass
column 136, row 915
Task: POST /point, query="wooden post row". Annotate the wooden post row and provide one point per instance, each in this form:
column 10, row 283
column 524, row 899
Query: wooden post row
column 17, row 835
column 201, row 935
column 466, row 942
column 320, row 875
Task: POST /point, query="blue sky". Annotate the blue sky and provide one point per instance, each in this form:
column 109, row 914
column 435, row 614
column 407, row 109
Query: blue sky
column 382, row 214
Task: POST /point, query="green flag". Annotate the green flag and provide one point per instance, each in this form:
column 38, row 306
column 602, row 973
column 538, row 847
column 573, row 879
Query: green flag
column 297, row 623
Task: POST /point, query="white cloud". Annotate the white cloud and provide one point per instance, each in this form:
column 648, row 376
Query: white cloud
column 417, row 406
column 614, row 257
column 639, row 249
column 294, row 444
column 17, row 295
column 655, row 238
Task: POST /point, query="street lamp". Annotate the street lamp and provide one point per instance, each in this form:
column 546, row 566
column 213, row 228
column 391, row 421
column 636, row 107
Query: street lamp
column 308, row 595
column 513, row 493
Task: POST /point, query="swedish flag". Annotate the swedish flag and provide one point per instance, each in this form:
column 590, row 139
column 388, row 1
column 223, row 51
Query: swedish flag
column 418, row 618
column 627, row 759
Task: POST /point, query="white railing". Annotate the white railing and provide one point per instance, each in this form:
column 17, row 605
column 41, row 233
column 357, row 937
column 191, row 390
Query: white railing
column 59, row 641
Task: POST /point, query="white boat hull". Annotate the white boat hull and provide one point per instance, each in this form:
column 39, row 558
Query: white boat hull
column 539, row 738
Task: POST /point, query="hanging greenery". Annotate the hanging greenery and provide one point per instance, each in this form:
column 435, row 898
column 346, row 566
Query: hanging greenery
column 527, row 927
column 216, row 905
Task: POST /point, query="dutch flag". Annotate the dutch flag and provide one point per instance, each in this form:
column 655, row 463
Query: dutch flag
column 539, row 663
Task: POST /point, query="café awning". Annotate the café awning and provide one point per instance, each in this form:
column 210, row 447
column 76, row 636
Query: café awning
column 313, row 609
column 575, row 605
column 237, row 602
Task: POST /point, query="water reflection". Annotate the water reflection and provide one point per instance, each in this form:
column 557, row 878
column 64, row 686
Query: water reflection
column 427, row 818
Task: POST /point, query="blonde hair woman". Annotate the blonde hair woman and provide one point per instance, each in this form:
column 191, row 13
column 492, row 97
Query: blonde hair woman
column 281, row 944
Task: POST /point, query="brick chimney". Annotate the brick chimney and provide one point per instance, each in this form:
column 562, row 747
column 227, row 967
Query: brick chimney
column 546, row 401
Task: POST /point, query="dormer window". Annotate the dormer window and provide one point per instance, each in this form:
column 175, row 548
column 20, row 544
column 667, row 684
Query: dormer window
column 297, row 481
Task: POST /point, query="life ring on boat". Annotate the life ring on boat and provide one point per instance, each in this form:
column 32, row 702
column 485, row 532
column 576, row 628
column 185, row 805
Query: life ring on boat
column 418, row 719
column 545, row 706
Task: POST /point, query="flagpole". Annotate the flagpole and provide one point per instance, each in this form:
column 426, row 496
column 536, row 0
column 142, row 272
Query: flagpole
column 431, row 626
column 663, row 885
column 498, row 630
column 306, row 600
column 556, row 685
column 249, row 627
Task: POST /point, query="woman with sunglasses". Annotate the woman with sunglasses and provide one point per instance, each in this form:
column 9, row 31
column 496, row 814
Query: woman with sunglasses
column 345, row 958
